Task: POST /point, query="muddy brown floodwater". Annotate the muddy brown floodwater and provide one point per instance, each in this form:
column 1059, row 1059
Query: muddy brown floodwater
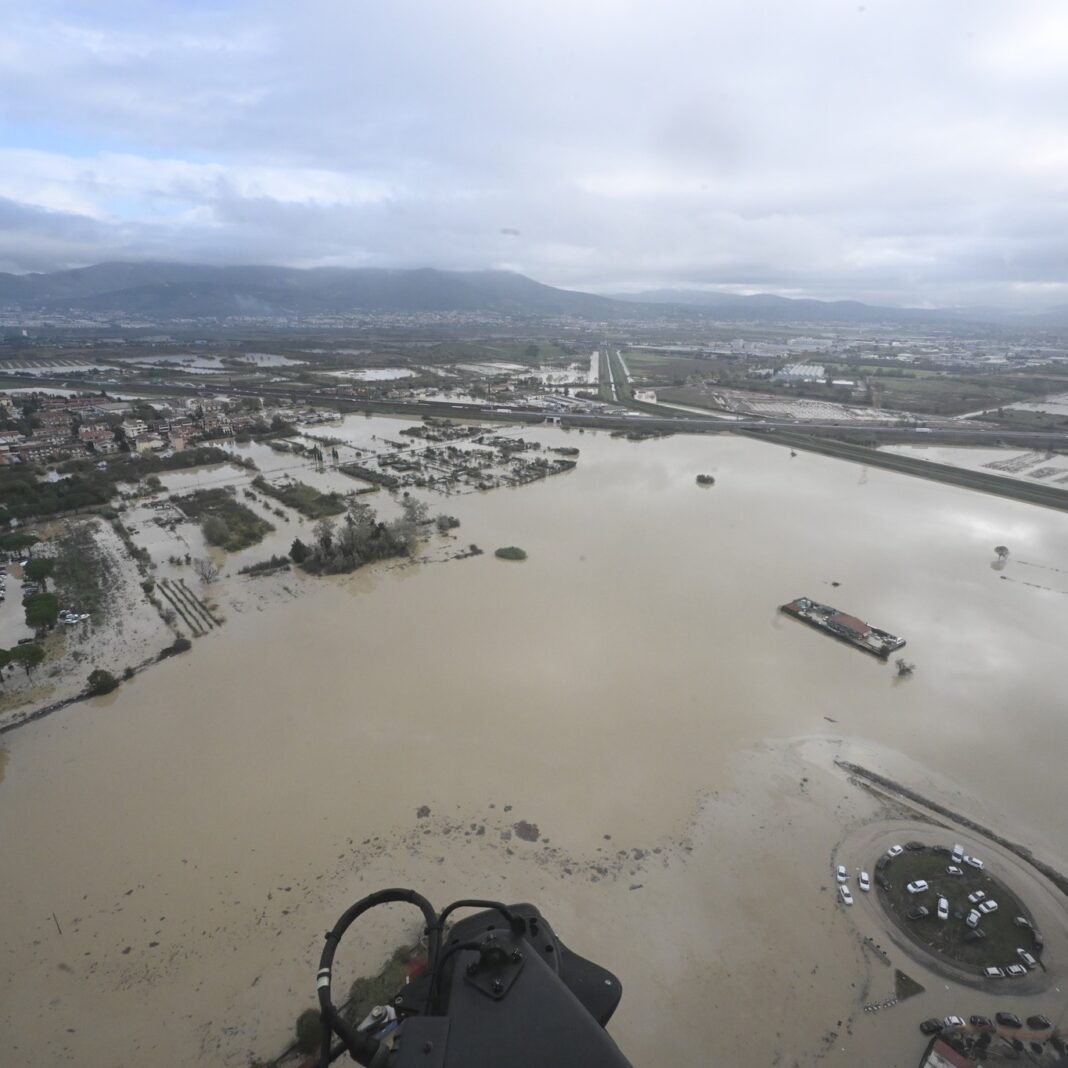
column 630, row 690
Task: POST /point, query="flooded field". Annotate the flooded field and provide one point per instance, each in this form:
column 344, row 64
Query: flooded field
column 1025, row 464
column 630, row 689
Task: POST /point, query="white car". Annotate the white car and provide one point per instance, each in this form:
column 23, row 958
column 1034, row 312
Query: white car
column 993, row 973
column 958, row 854
column 895, row 851
column 845, row 895
column 972, row 919
column 977, row 896
column 917, row 887
column 864, row 882
column 1015, row 970
column 954, row 870
column 943, row 909
column 840, row 873
column 988, row 906
column 975, row 862
column 1027, row 958
column 951, row 1022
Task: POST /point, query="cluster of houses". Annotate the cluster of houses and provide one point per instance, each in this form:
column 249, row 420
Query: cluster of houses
column 46, row 428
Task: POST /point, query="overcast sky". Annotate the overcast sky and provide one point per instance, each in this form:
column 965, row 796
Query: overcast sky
column 905, row 151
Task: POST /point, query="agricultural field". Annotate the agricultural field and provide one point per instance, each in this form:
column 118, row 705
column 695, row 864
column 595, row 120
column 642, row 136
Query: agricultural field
column 226, row 521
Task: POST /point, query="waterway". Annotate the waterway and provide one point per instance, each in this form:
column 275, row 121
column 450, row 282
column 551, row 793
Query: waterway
column 630, row 687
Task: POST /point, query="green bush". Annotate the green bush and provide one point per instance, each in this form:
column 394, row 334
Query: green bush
column 216, row 532
column 101, row 682
column 181, row 644
column 511, row 552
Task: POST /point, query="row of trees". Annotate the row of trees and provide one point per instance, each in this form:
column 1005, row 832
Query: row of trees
column 359, row 537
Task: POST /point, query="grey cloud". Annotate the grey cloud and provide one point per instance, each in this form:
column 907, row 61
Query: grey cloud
column 902, row 153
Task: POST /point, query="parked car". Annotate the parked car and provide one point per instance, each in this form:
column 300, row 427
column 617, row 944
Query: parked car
column 895, row 851
column 980, row 1021
column 918, row 887
column 864, row 882
column 1008, row 1019
column 1022, row 921
column 954, row 870
column 953, row 1021
column 972, row 919
column 975, row 862
column 977, row 896
column 840, row 873
column 988, row 906
column 958, row 853
column 845, row 895
column 915, row 847
column 917, row 912
column 992, row 972
column 1038, row 1023
column 1015, row 971
column 1027, row 958
column 974, row 935
column 943, row 909
column 931, row 1026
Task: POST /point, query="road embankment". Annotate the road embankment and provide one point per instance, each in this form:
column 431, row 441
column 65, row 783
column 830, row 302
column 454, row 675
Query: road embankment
column 999, row 485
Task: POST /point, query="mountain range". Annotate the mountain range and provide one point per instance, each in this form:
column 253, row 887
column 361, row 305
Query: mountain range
column 162, row 292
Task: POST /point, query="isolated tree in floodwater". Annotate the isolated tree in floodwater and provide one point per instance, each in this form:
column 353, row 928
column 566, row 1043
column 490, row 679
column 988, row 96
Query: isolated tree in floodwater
column 1002, row 551
column 207, row 570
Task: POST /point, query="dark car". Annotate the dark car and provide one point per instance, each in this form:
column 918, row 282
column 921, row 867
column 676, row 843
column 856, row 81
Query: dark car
column 974, row 935
column 931, row 1026
column 917, row 912
column 1038, row 1023
column 1008, row 1019
column 915, row 847
column 980, row 1021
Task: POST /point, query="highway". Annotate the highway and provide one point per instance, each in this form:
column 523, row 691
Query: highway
column 671, row 421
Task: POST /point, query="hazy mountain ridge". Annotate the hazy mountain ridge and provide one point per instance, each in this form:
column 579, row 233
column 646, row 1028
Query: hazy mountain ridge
column 771, row 307
column 163, row 290
column 167, row 291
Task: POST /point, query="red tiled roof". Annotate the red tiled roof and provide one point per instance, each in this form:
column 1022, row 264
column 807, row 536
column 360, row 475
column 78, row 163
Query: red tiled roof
column 944, row 1056
column 851, row 622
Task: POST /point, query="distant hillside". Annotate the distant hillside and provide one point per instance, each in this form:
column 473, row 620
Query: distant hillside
column 768, row 307
column 161, row 292
column 169, row 291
